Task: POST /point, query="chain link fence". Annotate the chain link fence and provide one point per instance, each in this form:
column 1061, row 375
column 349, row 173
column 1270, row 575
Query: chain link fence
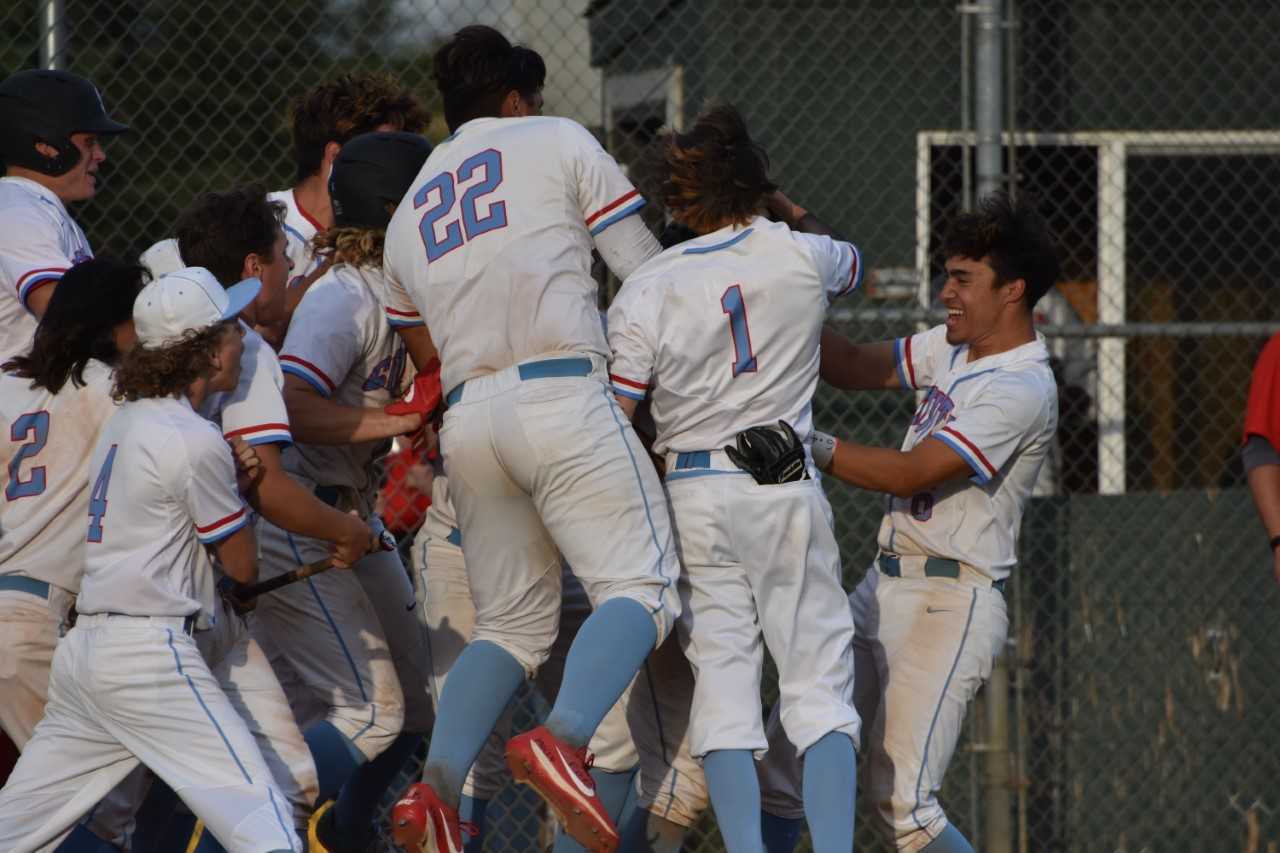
column 1134, row 707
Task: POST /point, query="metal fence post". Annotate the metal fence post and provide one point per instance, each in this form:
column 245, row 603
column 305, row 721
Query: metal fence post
column 53, row 34
column 989, row 89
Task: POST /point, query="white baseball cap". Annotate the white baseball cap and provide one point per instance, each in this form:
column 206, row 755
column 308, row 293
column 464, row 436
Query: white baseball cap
column 186, row 300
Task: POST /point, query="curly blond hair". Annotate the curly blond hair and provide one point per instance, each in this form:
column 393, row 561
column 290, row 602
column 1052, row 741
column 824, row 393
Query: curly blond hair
column 357, row 247
column 167, row 371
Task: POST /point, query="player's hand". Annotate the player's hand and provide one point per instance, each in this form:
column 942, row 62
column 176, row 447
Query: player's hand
column 230, row 592
column 249, row 469
column 783, row 208
column 354, row 541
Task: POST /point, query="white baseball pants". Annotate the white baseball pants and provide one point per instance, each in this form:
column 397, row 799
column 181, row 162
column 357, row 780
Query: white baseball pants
column 125, row 690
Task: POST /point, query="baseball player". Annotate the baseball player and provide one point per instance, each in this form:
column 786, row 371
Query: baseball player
column 128, row 684
column 725, row 329
column 489, row 258
column 1261, row 449
column 51, row 146
column 352, row 638
column 671, row 791
column 321, row 121
column 53, row 401
column 931, row 611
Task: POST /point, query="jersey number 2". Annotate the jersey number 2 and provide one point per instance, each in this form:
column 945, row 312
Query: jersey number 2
column 732, row 303
column 98, row 497
column 472, row 225
column 35, row 425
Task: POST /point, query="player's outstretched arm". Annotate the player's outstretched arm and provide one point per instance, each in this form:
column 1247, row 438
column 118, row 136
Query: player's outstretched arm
column 284, row 502
column 238, row 555
column 857, row 367
column 896, row 472
column 313, row 419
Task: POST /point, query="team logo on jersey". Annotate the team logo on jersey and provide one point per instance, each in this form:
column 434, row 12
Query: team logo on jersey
column 388, row 374
column 933, row 412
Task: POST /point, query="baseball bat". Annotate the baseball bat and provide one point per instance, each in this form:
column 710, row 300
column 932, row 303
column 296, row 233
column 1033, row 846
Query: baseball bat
column 386, row 542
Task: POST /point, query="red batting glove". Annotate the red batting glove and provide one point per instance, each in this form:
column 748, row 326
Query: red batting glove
column 423, row 397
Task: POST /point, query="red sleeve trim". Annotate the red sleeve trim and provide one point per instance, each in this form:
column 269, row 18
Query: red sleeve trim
column 309, row 366
column 215, row 525
column 602, row 211
column 969, row 444
column 259, row 428
column 631, row 383
column 906, row 356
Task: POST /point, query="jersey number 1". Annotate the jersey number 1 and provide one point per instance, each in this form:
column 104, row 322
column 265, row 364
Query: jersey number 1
column 472, row 225
column 98, row 497
column 731, row 302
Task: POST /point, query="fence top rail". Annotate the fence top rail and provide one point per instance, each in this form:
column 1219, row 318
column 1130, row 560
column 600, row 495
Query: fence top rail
column 1241, row 329
column 1186, row 142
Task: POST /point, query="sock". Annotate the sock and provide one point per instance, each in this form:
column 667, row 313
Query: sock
column 82, row 840
column 645, row 832
column 353, row 813
column 949, row 841
column 781, row 834
column 735, row 796
column 482, row 681
column 617, row 792
column 471, row 810
column 609, row 649
column 830, row 788
column 335, row 757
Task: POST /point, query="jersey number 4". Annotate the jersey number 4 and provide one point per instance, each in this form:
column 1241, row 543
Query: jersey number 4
column 98, row 497
column 732, row 303
column 33, row 428
column 440, row 243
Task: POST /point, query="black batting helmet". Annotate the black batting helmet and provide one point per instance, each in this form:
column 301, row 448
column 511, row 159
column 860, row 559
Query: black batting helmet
column 39, row 105
column 372, row 171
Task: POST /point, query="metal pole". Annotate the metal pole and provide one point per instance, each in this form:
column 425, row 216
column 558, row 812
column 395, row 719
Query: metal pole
column 989, row 94
column 53, row 34
column 989, row 89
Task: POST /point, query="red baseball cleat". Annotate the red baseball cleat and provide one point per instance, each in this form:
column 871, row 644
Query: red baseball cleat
column 559, row 774
column 422, row 823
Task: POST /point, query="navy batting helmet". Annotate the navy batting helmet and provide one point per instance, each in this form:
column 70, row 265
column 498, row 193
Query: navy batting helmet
column 48, row 106
column 372, row 171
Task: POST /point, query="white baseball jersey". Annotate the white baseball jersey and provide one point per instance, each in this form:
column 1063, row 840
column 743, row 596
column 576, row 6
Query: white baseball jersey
column 729, row 323
column 45, row 453
column 340, row 344
column 299, row 228
column 162, row 258
column 39, row 241
column 492, row 244
column 1000, row 413
column 164, row 486
column 255, row 409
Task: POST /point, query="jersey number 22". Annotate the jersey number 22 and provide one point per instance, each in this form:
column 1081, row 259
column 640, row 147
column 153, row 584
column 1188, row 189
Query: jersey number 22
column 489, row 164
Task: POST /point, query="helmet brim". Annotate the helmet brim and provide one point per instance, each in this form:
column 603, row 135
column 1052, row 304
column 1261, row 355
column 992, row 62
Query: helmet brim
column 104, row 126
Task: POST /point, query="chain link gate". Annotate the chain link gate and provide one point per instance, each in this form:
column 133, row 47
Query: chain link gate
column 1140, row 677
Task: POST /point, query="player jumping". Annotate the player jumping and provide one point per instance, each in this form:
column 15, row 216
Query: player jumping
column 725, row 329
column 491, row 249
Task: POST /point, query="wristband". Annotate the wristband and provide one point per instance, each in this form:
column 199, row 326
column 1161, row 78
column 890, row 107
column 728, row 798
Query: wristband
column 823, row 448
column 1275, row 542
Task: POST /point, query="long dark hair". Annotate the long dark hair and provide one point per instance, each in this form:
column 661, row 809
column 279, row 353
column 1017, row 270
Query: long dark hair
column 92, row 298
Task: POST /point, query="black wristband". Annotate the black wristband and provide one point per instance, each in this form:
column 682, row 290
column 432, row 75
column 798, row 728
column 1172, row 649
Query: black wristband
column 1275, row 542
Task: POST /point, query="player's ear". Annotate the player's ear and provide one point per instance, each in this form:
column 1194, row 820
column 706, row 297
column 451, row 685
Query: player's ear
column 331, row 151
column 1014, row 290
column 252, row 266
column 513, row 106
